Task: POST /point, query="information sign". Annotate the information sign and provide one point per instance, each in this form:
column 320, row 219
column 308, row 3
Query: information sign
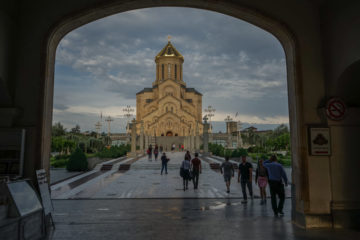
column 320, row 144
column 44, row 191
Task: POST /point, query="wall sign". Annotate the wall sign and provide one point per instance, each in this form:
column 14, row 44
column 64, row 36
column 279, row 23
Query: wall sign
column 320, row 144
column 335, row 109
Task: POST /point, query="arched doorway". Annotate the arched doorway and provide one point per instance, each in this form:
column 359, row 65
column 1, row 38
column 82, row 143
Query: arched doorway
column 276, row 28
column 169, row 133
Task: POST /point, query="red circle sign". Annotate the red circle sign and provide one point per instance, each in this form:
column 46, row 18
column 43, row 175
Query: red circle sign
column 335, row 109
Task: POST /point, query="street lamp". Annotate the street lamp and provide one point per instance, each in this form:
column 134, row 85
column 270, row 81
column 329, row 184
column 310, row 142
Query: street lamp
column 210, row 112
column 128, row 113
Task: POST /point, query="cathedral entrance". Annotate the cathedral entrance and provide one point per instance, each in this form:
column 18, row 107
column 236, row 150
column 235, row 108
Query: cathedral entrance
column 169, row 134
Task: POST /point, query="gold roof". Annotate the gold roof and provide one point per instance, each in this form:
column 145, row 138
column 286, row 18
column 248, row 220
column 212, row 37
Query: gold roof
column 169, row 51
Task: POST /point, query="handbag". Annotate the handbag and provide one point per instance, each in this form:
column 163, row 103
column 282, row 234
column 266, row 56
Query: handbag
column 190, row 175
column 181, row 172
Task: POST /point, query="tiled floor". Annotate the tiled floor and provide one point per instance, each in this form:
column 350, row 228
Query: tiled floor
column 143, row 180
column 173, row 219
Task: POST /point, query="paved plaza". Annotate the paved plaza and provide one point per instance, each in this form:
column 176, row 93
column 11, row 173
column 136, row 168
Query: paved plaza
column 143, row 180
column 200, row 219
column 142, row 204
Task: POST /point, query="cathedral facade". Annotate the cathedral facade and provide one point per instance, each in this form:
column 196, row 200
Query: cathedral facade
column 169, row 108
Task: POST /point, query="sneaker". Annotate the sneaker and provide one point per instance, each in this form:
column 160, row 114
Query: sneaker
column 281, row 213
column 276, row 214
column 227, row 191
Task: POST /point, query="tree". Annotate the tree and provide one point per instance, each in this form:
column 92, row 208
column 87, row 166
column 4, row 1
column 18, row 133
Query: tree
column 58, row 130
column 280, row 130
column 77, row 161
column 76, row 129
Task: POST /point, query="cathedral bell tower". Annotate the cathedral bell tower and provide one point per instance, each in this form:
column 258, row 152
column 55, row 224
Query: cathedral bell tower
column 169, row 65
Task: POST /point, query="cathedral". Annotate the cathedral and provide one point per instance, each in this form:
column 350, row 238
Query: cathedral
column 169, row 108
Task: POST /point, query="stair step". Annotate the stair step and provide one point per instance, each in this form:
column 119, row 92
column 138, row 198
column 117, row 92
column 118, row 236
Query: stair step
column 124, row 167
column 106, row 167
column 214, row 165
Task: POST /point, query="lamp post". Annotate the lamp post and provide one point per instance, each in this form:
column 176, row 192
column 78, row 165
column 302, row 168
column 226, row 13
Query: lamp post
column 128, row 113
column 210, row 112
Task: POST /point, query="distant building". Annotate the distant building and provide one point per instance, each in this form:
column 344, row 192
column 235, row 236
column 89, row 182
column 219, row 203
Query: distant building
column 169, row 108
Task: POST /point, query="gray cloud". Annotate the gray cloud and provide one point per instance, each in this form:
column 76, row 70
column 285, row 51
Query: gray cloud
column 237, row 66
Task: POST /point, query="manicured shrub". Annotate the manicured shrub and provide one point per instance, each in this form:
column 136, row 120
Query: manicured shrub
column 114, row 151
column 77, row 161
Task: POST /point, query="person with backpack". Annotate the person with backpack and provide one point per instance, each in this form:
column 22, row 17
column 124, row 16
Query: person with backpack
column 185, row 172
column 227, row 169
column 196, row 170
column 164, row 161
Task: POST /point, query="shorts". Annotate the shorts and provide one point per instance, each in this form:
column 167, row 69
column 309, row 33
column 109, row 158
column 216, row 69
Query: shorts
column 227, row 178
column 262, row 181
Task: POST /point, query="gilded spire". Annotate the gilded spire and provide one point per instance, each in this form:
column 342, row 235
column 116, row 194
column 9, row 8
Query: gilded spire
column 169, row 51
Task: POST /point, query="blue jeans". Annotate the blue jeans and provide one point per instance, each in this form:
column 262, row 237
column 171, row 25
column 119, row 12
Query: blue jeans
column 164, row 165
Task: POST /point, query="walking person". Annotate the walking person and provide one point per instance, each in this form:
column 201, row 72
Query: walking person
column 156, row 152
column 227, row 169
column 185, row 169
column 276, row 177
column 245, row 178
column 187, row 155
column 196, row 170
column 164, row 162
column 149, row 152
column 261, row 178
column 161, row 148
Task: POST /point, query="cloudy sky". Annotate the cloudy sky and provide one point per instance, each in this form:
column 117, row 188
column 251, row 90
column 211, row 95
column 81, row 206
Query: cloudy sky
column 236, row 66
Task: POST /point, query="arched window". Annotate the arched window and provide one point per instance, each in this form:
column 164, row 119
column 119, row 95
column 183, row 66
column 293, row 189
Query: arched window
column 162, row 71
column 169, row 70
column 175, row 72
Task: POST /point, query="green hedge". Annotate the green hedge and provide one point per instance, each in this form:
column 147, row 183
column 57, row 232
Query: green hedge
column 114, row 151
column 77, row 161
column 59, row 161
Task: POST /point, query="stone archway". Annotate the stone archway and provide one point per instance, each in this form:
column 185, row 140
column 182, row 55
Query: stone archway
column 169, row 133
column 76, row 19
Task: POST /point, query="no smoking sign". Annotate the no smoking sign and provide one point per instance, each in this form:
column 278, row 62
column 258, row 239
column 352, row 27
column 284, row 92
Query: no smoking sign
column 336, row 109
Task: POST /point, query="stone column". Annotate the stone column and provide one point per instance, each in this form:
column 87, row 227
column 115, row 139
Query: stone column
column 206, row 138
column 133, row 138
column 146, row 142
column 142, row 137
column 229, row 140
column 192, row 141
column 197, row 138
